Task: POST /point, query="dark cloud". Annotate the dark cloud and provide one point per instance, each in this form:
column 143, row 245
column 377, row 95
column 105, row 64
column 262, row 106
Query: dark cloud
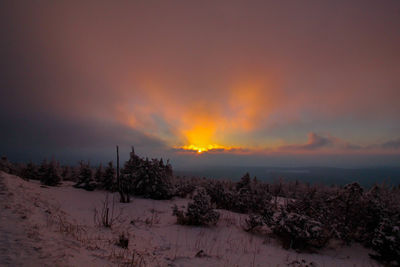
column 392, row 144
column 34, row 137
column 318, row 141
column 314, row 142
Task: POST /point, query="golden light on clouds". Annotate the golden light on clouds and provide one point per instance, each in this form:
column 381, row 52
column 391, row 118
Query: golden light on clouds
column 205, row 148
column 200, row 121
column 202, row 138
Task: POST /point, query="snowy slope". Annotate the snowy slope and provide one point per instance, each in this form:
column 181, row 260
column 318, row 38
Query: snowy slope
column 57, row 226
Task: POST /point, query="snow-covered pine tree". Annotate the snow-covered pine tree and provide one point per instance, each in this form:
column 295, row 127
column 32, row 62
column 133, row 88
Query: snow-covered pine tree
column 183, row 186
column 49, row 174
column 244, row 182
column 30, row 172
column 159, row 185
column 98, row 175
column 148, row 178
column 373, row 210
column 85, row 178
column 386, row 241
column 109, row 175
column 7, row 166
column 67, row 173
column 347, row 209
column 129, row 176
column 199, row 212
column 299, row 231
column 216, row 191
column 42, row 171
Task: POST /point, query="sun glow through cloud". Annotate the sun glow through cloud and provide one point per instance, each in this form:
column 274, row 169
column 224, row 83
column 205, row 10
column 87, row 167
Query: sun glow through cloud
column 201, row 138
column 201, row 149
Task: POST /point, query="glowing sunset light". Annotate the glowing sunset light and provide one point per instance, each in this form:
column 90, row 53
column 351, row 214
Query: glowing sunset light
column 201, row 149
column 202, row 138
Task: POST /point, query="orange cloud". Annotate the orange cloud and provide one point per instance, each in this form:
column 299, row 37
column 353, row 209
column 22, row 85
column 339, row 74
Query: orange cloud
column 208, row 120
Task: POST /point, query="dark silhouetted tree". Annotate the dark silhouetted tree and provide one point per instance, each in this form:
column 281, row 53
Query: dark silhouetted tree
column 85, row 178
column 109, row 175
column 30, row 172
column 49, row 174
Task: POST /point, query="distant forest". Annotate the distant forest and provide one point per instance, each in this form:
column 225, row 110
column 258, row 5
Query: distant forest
column 316, row 175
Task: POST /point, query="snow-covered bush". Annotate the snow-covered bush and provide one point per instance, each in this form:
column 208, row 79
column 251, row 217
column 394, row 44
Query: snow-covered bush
column 299, row 231
column 345, row 216
column 183, row 187
column 386, row 241
column 251, row 196
column 123, row 241
column 199, row 212
column 253, row 222
column 221, row 194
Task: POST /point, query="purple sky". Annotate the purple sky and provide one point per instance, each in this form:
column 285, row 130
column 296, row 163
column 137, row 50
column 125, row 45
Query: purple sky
column 253, row 82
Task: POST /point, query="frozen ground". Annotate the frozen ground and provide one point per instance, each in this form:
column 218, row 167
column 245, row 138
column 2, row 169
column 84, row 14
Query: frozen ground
column 57, row 226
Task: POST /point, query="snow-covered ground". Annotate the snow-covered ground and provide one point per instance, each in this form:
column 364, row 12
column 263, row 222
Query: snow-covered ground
column 58, row 226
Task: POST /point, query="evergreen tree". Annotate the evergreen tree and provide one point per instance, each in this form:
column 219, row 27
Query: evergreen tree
column 30, row 171
column 42, row 171
column 244, row 182
column 108, row 180
column 299, row 231
column 386, row 241
column 98, row 176
column 85, row 178
column 129, row 176
column 199, row 212
column 7, row 166
column 66, row 173
column 148, row 178
column 49, row 174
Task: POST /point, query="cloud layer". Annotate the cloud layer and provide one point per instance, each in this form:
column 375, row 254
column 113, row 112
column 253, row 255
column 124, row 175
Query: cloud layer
column 245, row 77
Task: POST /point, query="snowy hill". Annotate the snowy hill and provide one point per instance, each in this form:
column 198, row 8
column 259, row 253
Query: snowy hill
column 61, row 226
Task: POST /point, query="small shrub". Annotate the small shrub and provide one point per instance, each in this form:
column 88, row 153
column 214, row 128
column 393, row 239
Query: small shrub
column 123, row 241
column 107, row 216
column 184, row 187
column 299, row 231
column 179, row 214
column 199, row 212
column 253, row 222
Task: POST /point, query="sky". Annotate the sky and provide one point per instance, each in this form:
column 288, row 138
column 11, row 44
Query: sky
column 263, row 83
